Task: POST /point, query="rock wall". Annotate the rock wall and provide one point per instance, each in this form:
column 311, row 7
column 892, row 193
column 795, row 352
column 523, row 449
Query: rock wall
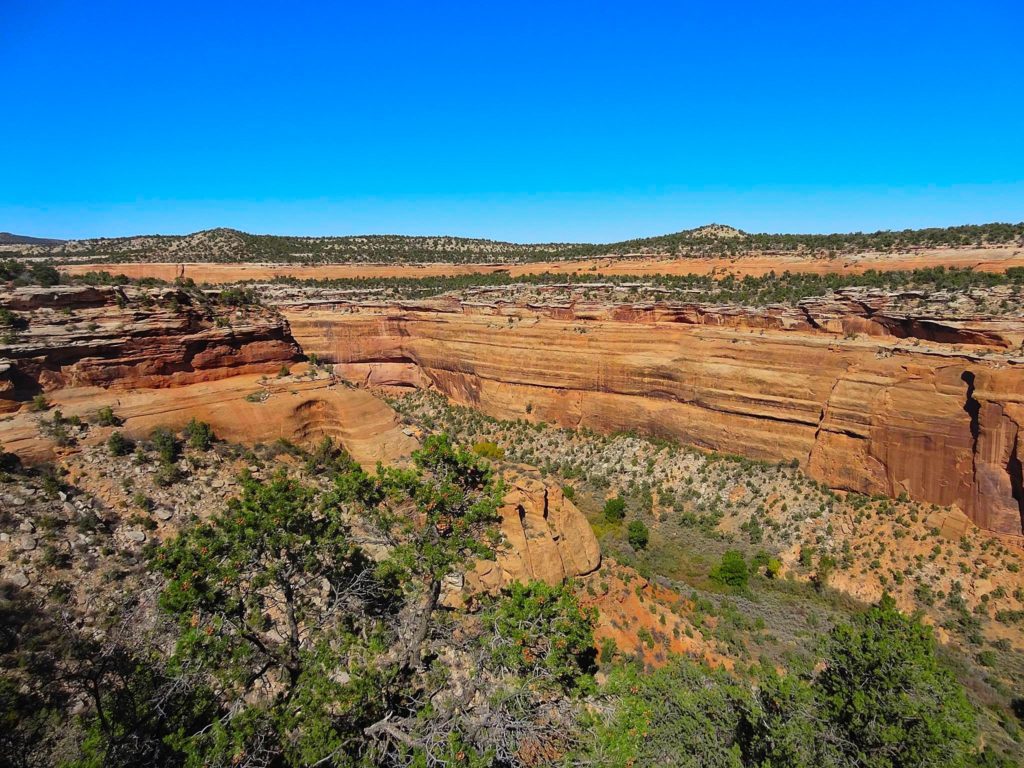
column 162, row 358
column 864, row 400
column 73, row 336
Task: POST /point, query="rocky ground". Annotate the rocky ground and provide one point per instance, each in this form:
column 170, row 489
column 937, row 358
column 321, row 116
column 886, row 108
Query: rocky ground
column 823, row 553
column 75, row 534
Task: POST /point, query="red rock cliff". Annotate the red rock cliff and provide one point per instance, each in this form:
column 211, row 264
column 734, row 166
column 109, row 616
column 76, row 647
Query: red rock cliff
column 69, row 336
column 865, row 400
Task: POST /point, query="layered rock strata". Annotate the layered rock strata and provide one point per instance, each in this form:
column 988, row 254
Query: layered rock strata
column 864, row 398
column 245, row 408
column 72, row 336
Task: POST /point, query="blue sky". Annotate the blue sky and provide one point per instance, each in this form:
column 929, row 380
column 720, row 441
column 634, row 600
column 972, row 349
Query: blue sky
column 526, row 121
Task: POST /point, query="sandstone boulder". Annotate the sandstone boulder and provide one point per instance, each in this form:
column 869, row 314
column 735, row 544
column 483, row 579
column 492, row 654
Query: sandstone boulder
column 546, row 537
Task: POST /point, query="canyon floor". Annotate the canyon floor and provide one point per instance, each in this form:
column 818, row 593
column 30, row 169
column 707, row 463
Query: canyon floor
column 845, row 441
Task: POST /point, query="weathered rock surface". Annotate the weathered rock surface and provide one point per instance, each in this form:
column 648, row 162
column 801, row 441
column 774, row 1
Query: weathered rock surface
column 546, row 537
column 297, row 408
column 73, row 336
column 865, row 399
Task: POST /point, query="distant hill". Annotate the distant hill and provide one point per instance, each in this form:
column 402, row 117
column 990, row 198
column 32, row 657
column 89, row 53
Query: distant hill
column 230, row 245
column 7, row 238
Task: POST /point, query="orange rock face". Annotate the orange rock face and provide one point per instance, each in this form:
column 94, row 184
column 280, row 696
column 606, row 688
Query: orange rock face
column 916, row 405
column 548, row 539
column 77, row 336
column 295, row 408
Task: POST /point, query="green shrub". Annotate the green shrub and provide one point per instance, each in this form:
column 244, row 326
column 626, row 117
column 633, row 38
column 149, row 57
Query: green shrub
column 165, row 443
column 57, row 428
column 637, row 534
column 615, row 509
column 199, row 435
column 44, row 274
column 119, row 445
column 807, row 556
column 732, row 571
column 881, row 700
column 166, row 474
column 489, row 450
column 889, row 700
column 238, row 297
column 105, row 417
column 542, row 631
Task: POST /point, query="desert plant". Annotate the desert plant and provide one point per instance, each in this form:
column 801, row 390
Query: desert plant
column 199, row 435
column 637, row 534
column 119, row 445
column 615, row 509
column 105, row 417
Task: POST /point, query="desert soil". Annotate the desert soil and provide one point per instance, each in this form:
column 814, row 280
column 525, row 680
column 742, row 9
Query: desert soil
column 987, row 259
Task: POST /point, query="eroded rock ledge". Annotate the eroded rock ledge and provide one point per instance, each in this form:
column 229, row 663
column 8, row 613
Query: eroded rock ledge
column 863, row 397
column 72, row 336
column 546, row 538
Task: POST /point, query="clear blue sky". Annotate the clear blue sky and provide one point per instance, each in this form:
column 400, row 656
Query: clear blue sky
column 532, row 121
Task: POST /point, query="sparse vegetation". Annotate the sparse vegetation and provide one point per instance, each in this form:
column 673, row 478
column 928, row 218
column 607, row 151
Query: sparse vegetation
column 228, row 245
column 105, row 417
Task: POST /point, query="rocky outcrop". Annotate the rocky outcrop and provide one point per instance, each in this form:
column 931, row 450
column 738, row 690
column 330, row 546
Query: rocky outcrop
column 865, row 398
column 72, row 336
column 246, row 408
column 546, row 538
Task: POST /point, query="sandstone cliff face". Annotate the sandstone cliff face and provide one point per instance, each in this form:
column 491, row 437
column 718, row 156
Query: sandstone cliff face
column 921, row 405
column 70, row 336
column 165, row 361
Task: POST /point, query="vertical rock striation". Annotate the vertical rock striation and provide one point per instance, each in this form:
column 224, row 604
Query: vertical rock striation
column 864, row 400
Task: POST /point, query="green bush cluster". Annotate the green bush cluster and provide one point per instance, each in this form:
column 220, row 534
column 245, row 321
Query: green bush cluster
column 199, row 435
column 541, row 632
column 732, row 571
column 881, row 700
column 637, row 534
column 615, row 509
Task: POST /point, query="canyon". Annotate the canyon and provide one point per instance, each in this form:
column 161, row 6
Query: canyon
column 908, row 395
column 863, row 399
column 863, row 395
column 163, row 357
